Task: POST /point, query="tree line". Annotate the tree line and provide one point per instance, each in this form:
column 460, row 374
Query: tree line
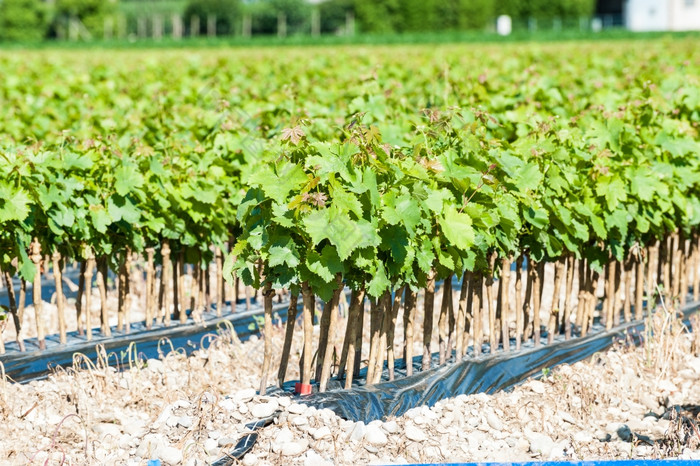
column 32, row 20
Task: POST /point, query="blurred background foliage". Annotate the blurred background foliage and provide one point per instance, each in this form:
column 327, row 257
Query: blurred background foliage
column 23, row 20
column 30, row 20
column 226, row 12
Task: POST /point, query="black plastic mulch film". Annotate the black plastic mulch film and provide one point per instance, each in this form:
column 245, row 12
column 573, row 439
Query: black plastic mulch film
column 36, row 365
column 488, row 373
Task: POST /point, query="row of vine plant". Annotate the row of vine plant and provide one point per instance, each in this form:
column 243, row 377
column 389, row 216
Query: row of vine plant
column 611, row 193
column 371, row 192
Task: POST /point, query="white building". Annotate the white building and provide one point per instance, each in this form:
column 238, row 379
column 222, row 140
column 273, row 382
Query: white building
column 662, row 15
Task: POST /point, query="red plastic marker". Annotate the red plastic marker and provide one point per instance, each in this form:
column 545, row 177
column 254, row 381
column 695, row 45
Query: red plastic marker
column 302, row 388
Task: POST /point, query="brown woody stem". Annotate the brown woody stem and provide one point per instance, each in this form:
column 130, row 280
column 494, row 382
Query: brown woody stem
column 307, row 355
column 504, row 302
column 267, row 356
column 462, row 315
column 288, row 337
column 566, row 321
column 519, row 301
column 354, row 325
column 443, row 320
column 428, row 308
column 102, row 287
column 219, row 256
column 36, row 258
column 410, row 308
column 330, row 335
column 60, row 299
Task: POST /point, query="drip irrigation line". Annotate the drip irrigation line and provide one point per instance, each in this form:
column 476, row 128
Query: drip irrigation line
column 247, row 442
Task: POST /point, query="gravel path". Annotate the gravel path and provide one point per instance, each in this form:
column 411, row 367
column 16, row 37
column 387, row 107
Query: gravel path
column 626, row 403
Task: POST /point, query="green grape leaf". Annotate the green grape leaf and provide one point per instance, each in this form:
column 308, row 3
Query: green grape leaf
column 537, row 217
column 613, row 189
column 436, row 198
column 457, row 227
column 126, row 179
column 379, row 282
column 403, row 210
column 100, row 218
column 283, row 251
column 326, row 265
column 343, row 233
column 14, row 204
column 277, row 185
column 425, row 256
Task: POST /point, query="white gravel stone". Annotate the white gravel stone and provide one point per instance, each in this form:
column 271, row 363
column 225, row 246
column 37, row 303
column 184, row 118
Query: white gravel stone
column 613, row 427
column 296, row 408
column 294, row 448
column 107, row 428
column 375, row 435
column 283, row 436
column 675, row 398
column 522, row 444
column 666, row 386
column 414, row 433
column 358, row 432
column 583, row 437
column 134, row 427
column 448, row 418
column 322, row 433
column 245, row 395
column 649, row 401
column 211, row 446
column 228, row 404
column 264, row 409
column 371, row 448
column 172, row 420
column 567, row 417
column 494, row 421
column 125, row 442
column 155, row 365
column 185, row 421
column 227, row 441
column 101, row 454
column 420, row 420
column 390, row 427
column 150, row 444
column 182, row 404
column 170, row 455
column 284, row 401
column 311, row 458
column 694, row 363
column 536, row 386
column 540, row 443
column 250, row 460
